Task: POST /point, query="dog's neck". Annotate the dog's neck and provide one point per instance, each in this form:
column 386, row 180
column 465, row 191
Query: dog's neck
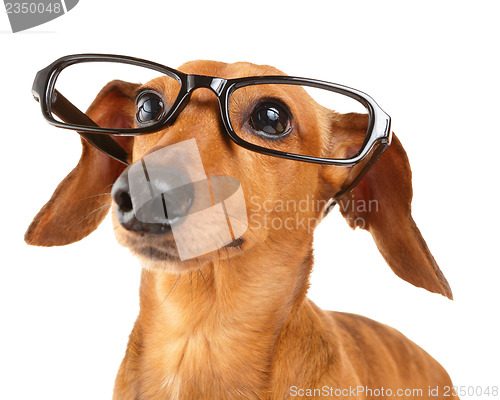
column 217, row 327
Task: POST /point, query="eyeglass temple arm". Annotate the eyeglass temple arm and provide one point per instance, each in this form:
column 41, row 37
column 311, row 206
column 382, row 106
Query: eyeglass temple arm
column 67, row 111
column 373, row 158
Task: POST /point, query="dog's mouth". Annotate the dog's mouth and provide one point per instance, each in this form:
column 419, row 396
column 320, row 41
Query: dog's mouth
column 236, row 243
column 156, row 254
column 168, row 252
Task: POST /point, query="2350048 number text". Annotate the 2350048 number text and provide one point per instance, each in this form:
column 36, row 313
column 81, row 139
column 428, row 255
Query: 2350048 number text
column 33, row 8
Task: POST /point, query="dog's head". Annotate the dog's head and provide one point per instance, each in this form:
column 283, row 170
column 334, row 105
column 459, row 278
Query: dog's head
column 285, row 199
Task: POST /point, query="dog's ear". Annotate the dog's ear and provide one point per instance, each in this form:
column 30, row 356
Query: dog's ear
column 381, row 204
column 82, row 199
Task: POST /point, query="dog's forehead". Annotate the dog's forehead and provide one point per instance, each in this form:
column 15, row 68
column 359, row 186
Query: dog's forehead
column 227, row 71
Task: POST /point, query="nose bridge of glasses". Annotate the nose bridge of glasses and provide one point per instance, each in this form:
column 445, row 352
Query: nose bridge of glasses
column 193, row 82
column 215, row 84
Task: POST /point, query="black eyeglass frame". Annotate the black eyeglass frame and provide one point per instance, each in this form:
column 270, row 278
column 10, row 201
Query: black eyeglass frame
column 378, row 136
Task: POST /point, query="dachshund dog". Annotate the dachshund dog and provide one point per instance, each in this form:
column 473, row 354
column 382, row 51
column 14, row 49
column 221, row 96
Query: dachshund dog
column 236, row 323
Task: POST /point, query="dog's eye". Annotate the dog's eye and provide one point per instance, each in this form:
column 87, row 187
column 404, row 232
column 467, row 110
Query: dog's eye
column 149, row 107
column 270, row 118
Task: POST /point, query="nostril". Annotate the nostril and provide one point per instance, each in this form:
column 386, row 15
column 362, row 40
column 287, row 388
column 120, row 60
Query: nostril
column 121, row 193
column 124, row 201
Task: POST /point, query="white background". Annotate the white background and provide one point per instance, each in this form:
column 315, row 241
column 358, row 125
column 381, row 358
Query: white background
column 66, row 313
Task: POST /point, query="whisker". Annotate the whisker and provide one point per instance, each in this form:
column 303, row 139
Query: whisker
column 170, row 291
column 92, row 212
column 191, row 286
column 272, row 240
column 95, row 195
column 218, row 261
column 227, row 256
column 203, row 277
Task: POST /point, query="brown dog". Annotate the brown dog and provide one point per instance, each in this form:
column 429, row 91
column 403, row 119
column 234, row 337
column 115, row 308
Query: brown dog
column 236, row 323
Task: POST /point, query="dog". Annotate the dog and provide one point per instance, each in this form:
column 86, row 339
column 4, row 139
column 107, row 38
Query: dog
column 236, row 323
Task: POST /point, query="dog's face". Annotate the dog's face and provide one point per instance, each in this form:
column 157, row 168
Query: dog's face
column 271, row 196
column 285, row 199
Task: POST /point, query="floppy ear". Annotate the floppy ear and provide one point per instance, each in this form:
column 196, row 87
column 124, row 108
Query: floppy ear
column 381, row 204
column 82, row 199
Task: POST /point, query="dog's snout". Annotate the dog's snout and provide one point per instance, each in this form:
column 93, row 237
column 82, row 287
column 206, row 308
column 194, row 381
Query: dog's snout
column 149, row 199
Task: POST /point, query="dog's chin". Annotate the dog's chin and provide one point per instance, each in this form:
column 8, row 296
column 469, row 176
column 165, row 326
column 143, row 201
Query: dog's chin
column 156, row 258
column 161, row 254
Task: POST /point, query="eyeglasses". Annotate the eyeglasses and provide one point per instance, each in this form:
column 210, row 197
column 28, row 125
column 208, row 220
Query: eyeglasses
column 266, row 114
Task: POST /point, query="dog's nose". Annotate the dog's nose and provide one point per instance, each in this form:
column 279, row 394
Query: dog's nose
column 149, row 200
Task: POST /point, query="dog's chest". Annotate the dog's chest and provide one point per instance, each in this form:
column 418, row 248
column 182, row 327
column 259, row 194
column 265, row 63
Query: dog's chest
column 200, row 367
